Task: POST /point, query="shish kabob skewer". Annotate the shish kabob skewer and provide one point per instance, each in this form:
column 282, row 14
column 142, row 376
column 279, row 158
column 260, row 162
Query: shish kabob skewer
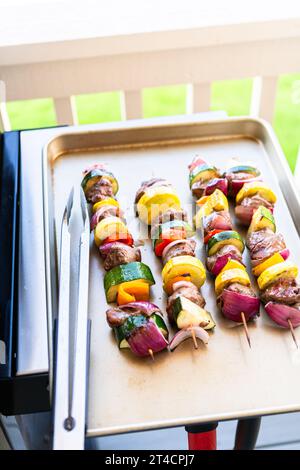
column 137, row 323
column 158, row 206
column 276, row 277
column 224, row 245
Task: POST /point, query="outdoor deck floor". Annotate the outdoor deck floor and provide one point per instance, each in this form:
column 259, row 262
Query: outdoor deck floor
column 281, row 432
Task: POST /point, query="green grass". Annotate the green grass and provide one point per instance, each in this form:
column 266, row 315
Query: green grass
column 98, row 107
column 31, row 114
column 232, row 96
column 164, row 101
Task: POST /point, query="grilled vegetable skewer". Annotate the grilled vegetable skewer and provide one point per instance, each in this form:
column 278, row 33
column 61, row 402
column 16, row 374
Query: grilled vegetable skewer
column 276, row 277
column 246, row 186
column 224, row 256
column 158, row 205
column 137, row 323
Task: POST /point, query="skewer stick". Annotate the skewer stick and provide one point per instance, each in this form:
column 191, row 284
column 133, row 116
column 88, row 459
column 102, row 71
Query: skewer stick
column 151, row 354
column 293, row 332
column 194, row 338
column 246, row 329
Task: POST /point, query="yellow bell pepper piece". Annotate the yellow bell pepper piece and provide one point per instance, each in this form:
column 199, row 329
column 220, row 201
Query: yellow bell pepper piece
column 110, row 201
column 108, row 227
column 132, row 291
column 202, row 212
column 216, row 201
column 285, row 270
column 275, row 259
column 256, row 187
column 225, row 278
column 203, row 200
column 233, row 264
column 187, row 266
column 156, row 201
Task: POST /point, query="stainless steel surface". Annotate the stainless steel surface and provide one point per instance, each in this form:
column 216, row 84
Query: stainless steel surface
column 70, row 379
column 32, row 340
column 225, row 380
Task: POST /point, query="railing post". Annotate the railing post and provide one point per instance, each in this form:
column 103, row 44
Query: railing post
column 263, row 97
column 1, row 123
column 131, row 104
column 198, row 98
column 65, row 110
column 4, row 118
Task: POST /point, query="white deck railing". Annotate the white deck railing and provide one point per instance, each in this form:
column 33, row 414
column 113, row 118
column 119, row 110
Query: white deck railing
column 128, row 63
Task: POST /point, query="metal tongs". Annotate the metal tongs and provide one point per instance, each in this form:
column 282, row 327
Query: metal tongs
column 71, row 365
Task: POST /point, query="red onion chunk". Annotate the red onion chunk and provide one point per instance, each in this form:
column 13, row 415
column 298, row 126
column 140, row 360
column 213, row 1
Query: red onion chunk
column 96, row 166
column 179, row 284
column 233, row 303
column 182, row 335
column 216, row 183
column 196, row 161
column 105, row 248
column 221, row 262
column 94, row 221
column 281, row 313
column 145, row 338
column 147, row 308
column 170, row 245
column 111, row 210
column 236, row 185
column 285, row 253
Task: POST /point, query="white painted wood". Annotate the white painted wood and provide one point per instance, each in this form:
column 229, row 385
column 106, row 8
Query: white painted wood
column 133, row 72
column 255, row 96
column 131, row 104
column 136, row 26
column 200, row 97
column 263, row 97
column 64, row 110
column 1, row 123
column 194, row 44
column 4, row 118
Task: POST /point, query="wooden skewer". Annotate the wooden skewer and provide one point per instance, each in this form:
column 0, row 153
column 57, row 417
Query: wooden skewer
column 151, row 354
column 246, row 329
column 194, row 338
column 293, row 332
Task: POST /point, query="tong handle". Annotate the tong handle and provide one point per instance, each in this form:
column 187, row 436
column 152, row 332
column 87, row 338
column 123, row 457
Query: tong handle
column 61, row 379
column 82, row 347
column 70, row 405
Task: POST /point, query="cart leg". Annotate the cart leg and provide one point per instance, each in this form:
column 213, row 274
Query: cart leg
column 246, row 433
column 202, row 436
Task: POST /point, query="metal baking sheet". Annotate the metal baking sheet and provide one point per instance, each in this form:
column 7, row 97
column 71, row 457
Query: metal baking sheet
column 225, row 380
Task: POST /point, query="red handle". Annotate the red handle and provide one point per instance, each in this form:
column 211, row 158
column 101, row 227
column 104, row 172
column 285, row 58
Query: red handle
column 202, row 437
column 203, row 440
